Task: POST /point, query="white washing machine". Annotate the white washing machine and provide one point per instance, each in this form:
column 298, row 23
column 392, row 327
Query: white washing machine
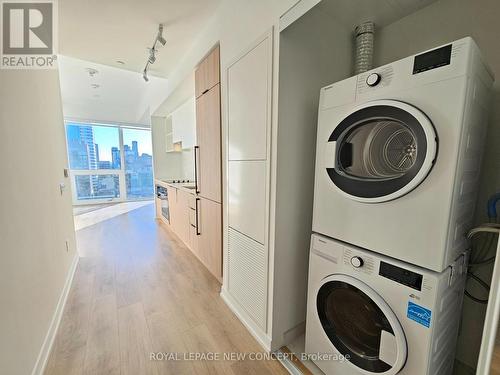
column 370, row 314
column 398, row 155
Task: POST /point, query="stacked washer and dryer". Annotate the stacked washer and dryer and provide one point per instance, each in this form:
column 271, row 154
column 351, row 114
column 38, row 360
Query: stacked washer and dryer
column 399, row 150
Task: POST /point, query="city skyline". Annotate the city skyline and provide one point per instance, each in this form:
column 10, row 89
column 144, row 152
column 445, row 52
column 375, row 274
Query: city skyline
column 86, row 153
column 107, row 137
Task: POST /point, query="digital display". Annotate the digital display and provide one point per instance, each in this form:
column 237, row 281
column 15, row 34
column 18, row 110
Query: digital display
column 432, row 59
column 400, row 275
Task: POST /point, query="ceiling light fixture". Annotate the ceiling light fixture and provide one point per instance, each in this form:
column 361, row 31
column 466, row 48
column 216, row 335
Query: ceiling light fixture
column 120, row 62
column 92, row 72
column 153, row 50
column 160, row 37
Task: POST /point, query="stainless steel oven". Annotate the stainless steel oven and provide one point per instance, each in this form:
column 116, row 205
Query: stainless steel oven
column 162, row 195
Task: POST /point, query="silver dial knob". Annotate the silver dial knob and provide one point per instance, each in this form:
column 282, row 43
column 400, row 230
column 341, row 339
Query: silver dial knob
column 373, row 79
column 357, row 262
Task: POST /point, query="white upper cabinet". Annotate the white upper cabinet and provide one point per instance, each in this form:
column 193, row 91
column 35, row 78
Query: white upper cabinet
column 184, row 124
column 249, row 104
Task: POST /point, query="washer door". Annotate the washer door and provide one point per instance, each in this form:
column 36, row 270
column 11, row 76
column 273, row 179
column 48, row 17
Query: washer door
column 361, row 326
column 381, row 151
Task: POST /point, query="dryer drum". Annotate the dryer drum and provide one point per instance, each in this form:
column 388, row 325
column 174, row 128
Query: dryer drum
column 382, row 151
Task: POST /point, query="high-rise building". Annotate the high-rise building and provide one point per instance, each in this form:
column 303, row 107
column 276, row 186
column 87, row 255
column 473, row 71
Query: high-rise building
column 115, row 158
column 96, row 148
column 81, row 147
column 135, row 149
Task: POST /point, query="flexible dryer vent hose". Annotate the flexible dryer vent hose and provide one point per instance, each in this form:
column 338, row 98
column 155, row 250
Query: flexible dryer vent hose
column 364, row 47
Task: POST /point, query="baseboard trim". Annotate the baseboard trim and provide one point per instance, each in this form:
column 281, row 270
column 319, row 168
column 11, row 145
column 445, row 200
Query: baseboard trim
column 43, row 356
column 257, row 333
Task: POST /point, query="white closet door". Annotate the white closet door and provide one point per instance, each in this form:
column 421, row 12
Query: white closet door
column 249, row 81
column 247, row 198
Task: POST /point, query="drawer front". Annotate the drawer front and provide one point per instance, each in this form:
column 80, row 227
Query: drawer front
column 192, row 216
column 192, row 201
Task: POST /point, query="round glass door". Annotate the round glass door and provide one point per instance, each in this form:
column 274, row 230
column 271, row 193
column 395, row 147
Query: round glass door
column 359, row 325
column 383, row 150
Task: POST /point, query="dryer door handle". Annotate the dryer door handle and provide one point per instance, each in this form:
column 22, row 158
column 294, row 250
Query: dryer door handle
column 330, row 154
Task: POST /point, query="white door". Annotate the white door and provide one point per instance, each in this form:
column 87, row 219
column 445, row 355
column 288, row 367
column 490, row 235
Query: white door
column 360, row 325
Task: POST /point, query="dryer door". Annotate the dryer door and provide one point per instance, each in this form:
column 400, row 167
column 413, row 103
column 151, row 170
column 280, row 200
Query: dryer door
column 381, row 151
column 361, row 326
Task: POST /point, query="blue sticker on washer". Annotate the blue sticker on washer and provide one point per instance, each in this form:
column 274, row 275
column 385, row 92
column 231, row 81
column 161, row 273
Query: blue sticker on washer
column 419, row 314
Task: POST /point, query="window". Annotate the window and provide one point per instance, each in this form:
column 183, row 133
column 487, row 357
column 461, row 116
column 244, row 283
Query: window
column 105, row 186
column 100, row 171
column 138, row 163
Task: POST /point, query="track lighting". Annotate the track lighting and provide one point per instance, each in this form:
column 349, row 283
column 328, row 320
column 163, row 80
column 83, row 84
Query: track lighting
column 153, row 50
column 160, row 37
column 152, row 57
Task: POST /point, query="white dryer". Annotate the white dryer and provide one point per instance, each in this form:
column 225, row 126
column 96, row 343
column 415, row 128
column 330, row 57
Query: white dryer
column 398, row 155
column 370, row 314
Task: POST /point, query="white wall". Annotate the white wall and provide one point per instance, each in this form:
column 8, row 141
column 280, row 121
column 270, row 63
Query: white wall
column 314, row 52
column 35, row 219
column 440, row 23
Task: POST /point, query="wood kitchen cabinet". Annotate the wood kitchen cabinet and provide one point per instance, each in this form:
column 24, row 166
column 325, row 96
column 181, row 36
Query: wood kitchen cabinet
column 182, row 227
column 172, row 206
column 208, row 152
column 179, row 212
column 205, row 220
column 209, row 235
column 207, row 74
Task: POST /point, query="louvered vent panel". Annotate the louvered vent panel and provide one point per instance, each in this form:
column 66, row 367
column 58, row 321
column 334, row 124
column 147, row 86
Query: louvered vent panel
column 247, row 275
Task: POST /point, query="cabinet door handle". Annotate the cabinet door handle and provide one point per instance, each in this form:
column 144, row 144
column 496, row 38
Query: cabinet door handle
column 197, row 219
column 204, row 92
column 196, row 169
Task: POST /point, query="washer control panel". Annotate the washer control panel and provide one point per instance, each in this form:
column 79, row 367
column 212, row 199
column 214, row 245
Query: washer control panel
column 361, row 263
column 400, row 275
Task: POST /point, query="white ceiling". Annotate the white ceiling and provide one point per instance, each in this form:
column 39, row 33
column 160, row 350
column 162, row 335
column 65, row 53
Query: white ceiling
column 104, row 31
column 122, row 96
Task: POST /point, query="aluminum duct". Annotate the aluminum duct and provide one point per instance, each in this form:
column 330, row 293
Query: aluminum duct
column 364, row 47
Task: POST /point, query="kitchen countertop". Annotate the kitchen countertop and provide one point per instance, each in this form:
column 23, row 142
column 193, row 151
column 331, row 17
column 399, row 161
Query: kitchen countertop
column 181, row 186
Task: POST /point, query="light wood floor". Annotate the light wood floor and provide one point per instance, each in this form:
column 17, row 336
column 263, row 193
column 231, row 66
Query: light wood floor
column 138, row 290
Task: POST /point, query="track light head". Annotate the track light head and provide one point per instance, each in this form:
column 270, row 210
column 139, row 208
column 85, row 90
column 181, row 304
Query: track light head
column 162, row 40
column 159, row 37
column 145, row 75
